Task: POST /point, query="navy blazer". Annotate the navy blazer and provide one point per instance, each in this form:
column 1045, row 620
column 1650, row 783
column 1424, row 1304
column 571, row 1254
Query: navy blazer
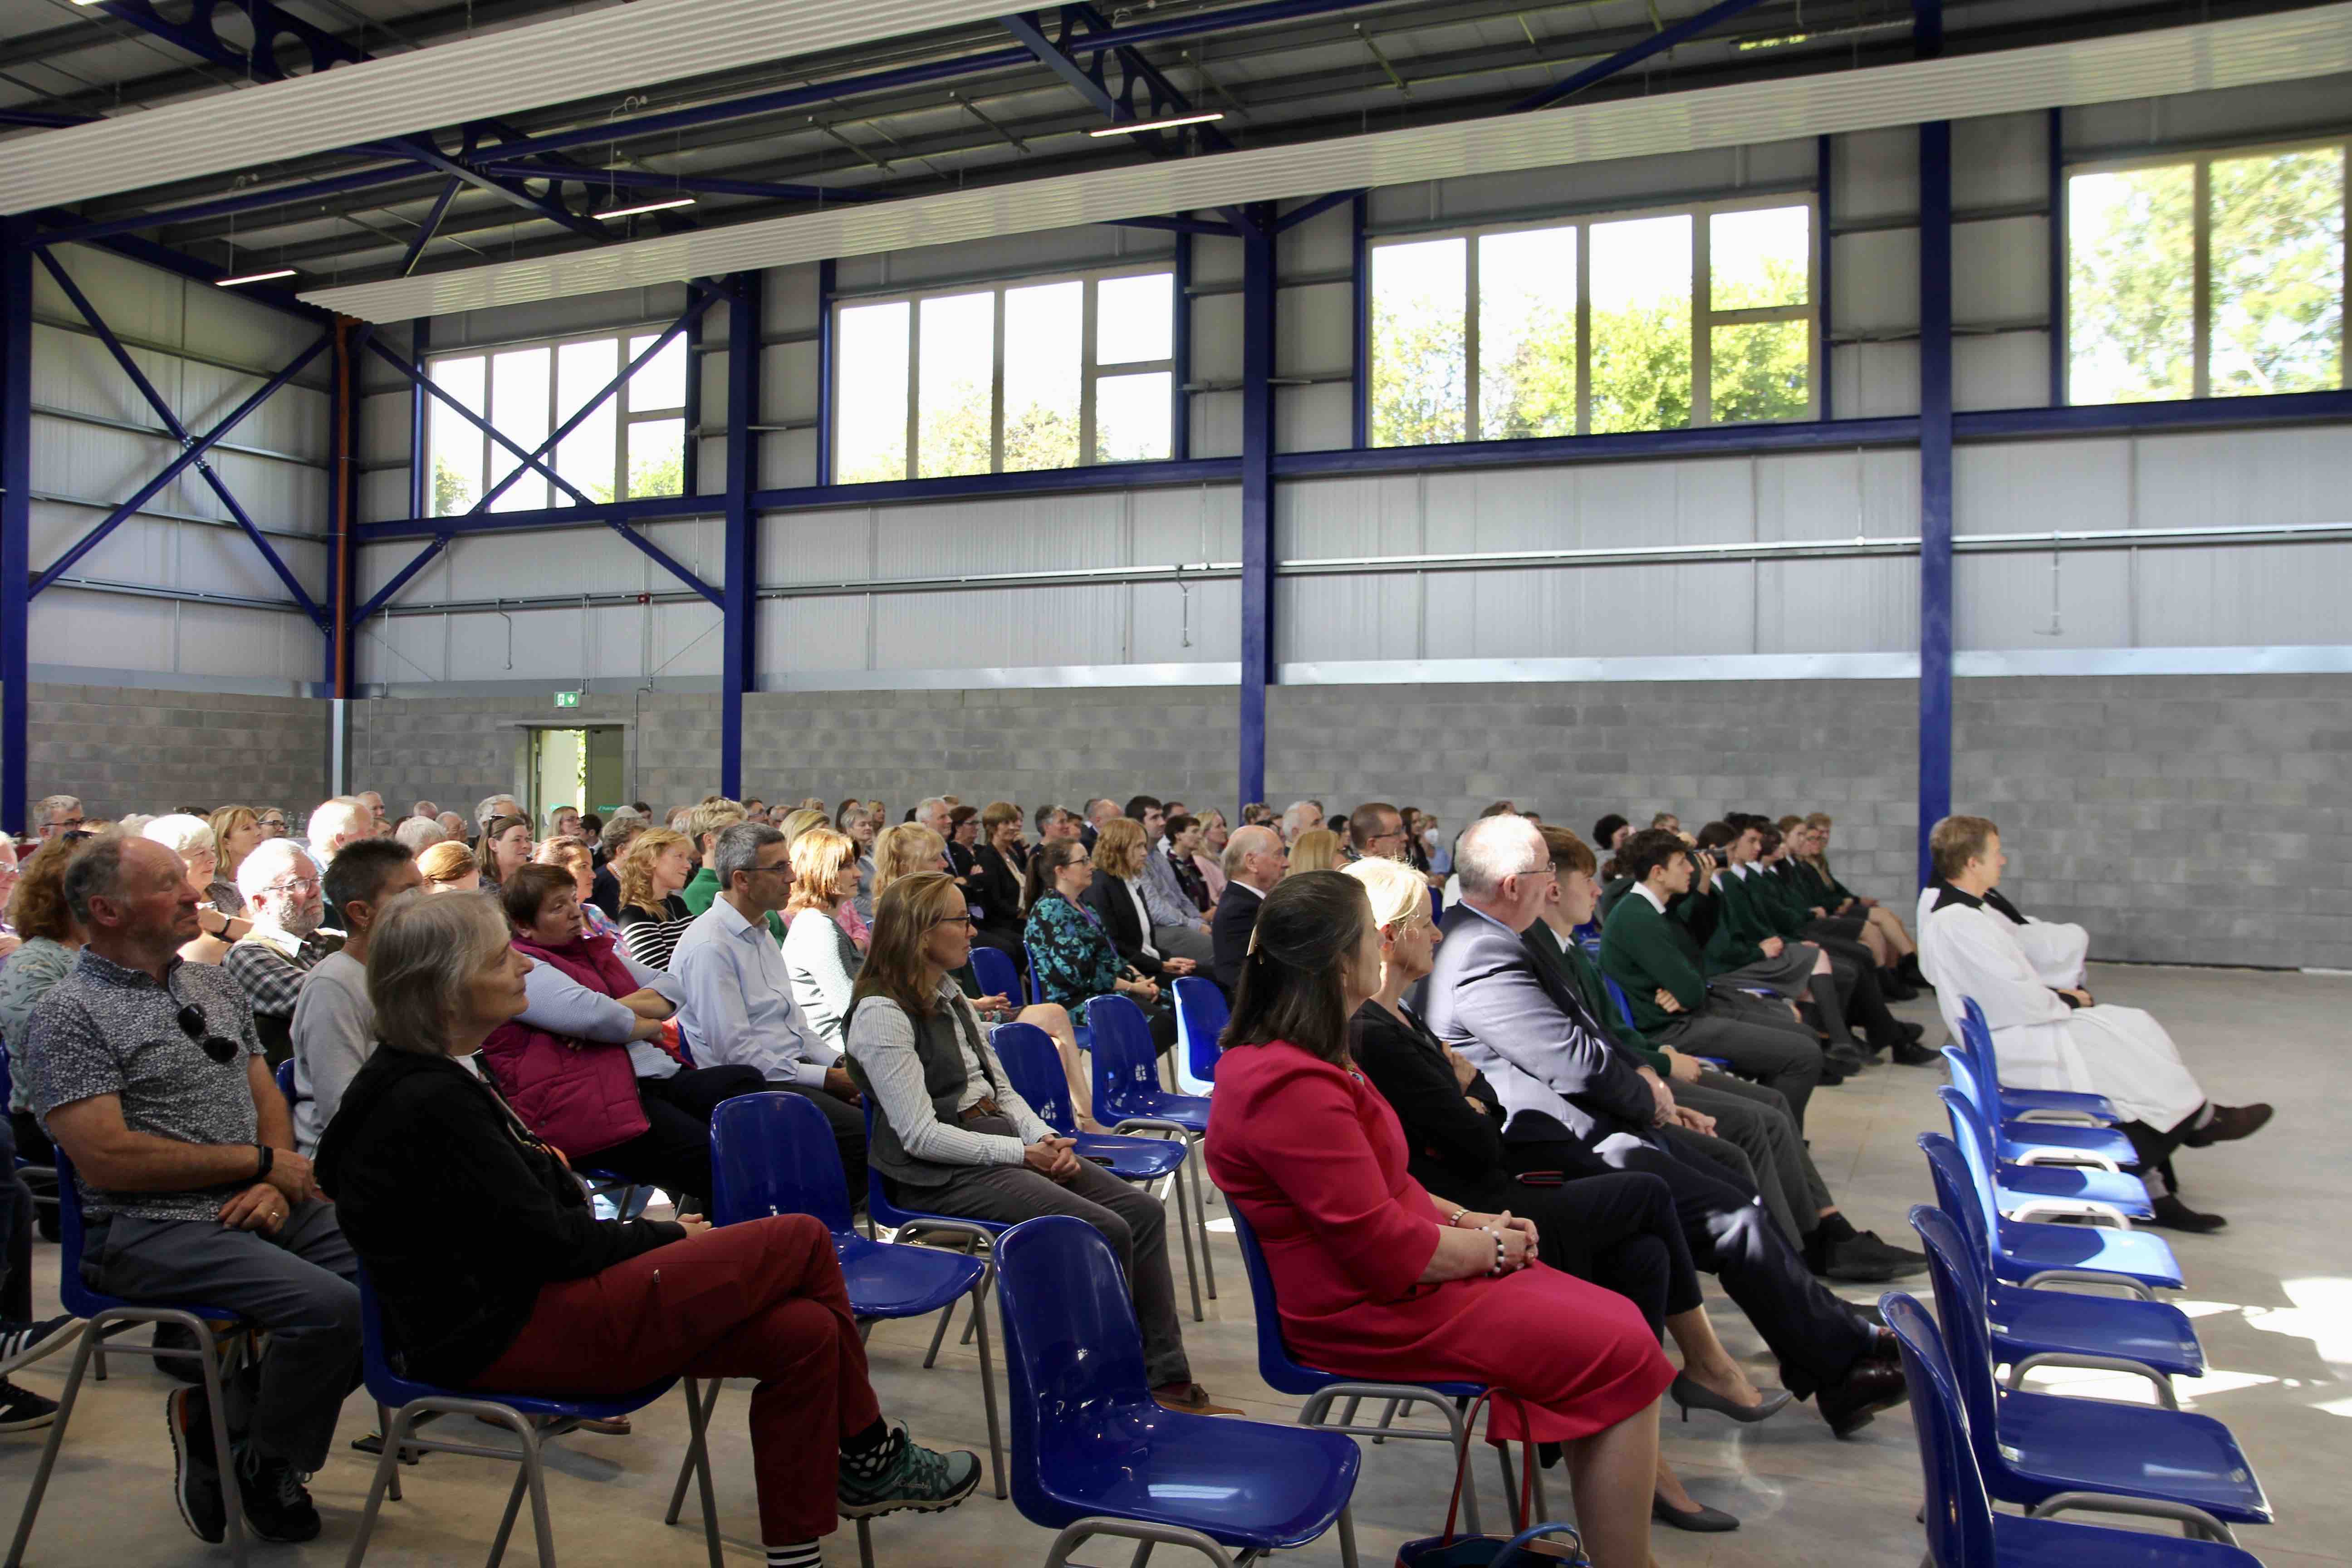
column 1518, row 1023
column 1228, row 933
column 1107, row 896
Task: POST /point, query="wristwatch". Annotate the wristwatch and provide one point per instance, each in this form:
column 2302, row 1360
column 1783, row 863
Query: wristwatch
column 269, row 1160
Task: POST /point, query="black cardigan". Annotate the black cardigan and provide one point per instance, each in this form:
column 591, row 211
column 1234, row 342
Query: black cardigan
column 1457, row 1148
column 459, row 1218
column 995, row 887
column 1107, row 896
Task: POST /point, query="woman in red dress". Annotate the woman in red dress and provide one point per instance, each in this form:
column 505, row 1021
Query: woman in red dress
column 1377, row 1279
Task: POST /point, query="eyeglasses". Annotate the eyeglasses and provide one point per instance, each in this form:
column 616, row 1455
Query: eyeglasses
column 290, row 884
column 962, row 920
column 191, row 1024
column 76, row 835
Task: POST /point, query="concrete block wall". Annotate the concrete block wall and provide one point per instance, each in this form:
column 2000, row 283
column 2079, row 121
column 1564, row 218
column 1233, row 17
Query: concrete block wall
column 453, row 750
column 126, row 749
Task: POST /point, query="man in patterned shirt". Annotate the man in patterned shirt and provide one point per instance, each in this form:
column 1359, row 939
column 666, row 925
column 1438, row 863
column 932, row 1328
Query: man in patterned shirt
column 148, row 1076
column 281, row 884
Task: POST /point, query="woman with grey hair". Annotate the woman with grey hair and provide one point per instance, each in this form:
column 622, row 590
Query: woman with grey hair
column 494, row 1273
column 191, row 838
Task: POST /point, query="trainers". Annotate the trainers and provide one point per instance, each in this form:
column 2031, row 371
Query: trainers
column 195, row 1467
column 21, row 1344
column 275, row 1503
column 22, row 1410
column 899, row 1474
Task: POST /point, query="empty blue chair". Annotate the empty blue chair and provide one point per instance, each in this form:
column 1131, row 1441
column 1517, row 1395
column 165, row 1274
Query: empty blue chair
column 1093, row 1454
column 2037, row 1143
column 2048, row 1453
column 1036, row 1069
column 1963, row 1532
column 1286, row 1376
column 774, row 1154
column 108, row 1313
column 1128, row 1095
column 1200, row 1018
column 2030, row 1192
column 2021, row 1252
column 996, row 973
column 529, row 1417
column 2054, row 1327
column 2028, row 1104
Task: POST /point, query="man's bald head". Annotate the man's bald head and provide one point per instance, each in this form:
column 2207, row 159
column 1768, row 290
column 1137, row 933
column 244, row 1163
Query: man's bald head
column 1497, row 859
column 1256, row 856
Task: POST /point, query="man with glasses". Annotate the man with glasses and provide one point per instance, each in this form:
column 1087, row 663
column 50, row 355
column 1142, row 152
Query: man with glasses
column 284, row 899
column 1375, row 831
column 57, row 814
column 147, row 1074
column 1256, row 860
column 736, row 1007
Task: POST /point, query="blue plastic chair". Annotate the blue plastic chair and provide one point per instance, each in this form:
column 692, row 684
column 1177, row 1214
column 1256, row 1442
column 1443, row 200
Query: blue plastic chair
column 2051, row 1328
column 286, row 1084
column 105, row 1313
column 42, row 1179
column 1284, row 1374
column 2037, row 1143
column 995, row 973
column 2021, row 1252
column 2031, row 1192
column 979, row 1238
column 1200, row 1018
column 2028, row 1104
column 2050, row 1454
column 774, row 1154
column 1128, row 1095
column 1093, row 1454
column 1963, row 1532
column 1035, row 1069
column 1625, row 1017
column 1037, row 975
column 530, row 1418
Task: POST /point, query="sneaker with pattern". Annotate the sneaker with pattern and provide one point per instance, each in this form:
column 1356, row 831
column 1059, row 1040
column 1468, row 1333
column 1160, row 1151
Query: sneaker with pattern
column 21, row 1344
column 897, row 1473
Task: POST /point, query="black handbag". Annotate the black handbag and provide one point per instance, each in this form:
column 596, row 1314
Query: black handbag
column 1528, row 1549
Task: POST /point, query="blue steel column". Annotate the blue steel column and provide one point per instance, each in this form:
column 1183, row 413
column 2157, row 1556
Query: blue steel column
column 1257, row 495
column 420, row 410
column 1360, row 417
column 740, row 671
column 824, row 375
column 15, row 510
column 1935, row 456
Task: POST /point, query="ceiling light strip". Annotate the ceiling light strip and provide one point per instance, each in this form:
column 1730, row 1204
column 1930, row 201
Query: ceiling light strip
column 2238, row 53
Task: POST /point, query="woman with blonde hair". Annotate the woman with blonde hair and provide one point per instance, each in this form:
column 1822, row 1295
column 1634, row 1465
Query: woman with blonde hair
column 1115, row 897
column 1317, row 849
column 652, row 915
column 450, row 867
column 236, row 829
column 820, row 960
column 1208, row 859
column 796, row 821
column 504, row 849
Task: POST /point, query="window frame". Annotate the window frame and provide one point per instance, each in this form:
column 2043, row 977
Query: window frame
column 1705, row 318
column 1091, row 371
column 2200, row 160
column 624, row 416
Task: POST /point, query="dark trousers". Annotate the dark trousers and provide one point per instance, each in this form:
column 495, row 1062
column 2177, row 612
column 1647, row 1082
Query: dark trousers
column 1783, row 1058
column 1731, row 1236
column 1617, row 1229
column 762, row 1299
column 1857, row 981
column 15, row 1236
column 674, row 1150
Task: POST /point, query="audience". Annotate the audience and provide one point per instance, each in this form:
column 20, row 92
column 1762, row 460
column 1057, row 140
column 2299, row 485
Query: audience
column 283, row 896
column 1317, row 849
column 38, row 913
column 654, row 915
column 147, row 1073
column 820, row 959
column 190, row 837
column 579, row 863
column 336, row 823
column 236, row 829
column 504, row 849
column 418, row 834
column 612, row 844
column 491, row 807
column 494, row 1273
column 1208, row 859
column 450, row 867
column 59, row 814
column 1072, row 957
column 735, row 995
column 1837, row 899
column 1178, row 921
column 1116, row 898
column 993, row 887
column 952, row 1136
column 451, row 824
column 333, row 1029
column 1255, row 861
column 423, row 808
column 861, row 826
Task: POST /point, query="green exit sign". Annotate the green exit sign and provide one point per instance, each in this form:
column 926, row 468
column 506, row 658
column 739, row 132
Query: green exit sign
column 567, row 700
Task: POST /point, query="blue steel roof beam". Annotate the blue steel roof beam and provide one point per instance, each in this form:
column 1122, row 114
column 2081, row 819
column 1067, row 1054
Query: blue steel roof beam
column 685, row 185
column 423, row 150
column 1664, row 38
column 198, row 37
column 74, row 233
column 430, row 226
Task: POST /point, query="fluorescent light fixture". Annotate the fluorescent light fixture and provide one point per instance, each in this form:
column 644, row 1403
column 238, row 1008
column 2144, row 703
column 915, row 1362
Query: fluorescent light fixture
column 660, row 206
column 1131, row 127
column 252, row 278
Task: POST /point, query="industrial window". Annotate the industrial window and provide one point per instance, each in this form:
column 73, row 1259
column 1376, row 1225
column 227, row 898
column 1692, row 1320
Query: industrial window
column 1045, row 374
column 1646, row 321
column 631, row 445
column 2219, row 275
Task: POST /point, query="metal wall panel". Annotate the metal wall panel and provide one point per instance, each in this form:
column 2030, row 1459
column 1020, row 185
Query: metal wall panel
column 800, row 637
column 1599, row 613
column 2241, row 595
column 1019, row 626
column 2189, row 118
column 1998, row 161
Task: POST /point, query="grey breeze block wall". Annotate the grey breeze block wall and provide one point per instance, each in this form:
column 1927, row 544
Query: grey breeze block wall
column 125, row 749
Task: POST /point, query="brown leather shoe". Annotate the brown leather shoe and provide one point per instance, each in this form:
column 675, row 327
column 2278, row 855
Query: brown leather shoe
column 2230, row 1123
column 1190, row 1399
column 1869, row 1386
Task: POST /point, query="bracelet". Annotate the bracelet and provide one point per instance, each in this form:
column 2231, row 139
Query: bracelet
column 1499, row 1255
column 1454, row 1219
column 268, row 1159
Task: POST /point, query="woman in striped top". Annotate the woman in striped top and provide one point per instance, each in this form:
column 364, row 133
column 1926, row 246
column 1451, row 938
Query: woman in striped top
column 652, row 917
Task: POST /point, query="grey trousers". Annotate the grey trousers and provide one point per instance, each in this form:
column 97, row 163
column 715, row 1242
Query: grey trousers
column 298, row 1284
column 1756, row 1121
column 1787, row 1059
column 1184, row 941
column 1786, row 975
column 1131, row 1219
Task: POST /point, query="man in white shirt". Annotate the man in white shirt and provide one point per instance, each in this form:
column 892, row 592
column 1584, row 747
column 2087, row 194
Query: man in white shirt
column 736, row 1007
column 2051, row 1038
column 334, row 1020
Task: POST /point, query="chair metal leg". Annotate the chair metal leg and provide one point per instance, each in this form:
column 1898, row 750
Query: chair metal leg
column 507, row 1521
column 697, row 1459
column 979, row 1299
column 1511, row 1492
column 1388, row 1414
column 1347, row 1539
column 387, row 1477
column 864, row 1543
column 696, row 1445
column 216, row 1396
column 939, row 1336
column 987, row 1394
column 1142, row 1555
column 83, row 1351
column 1184, row 1229
column 1198, row 1157
column 536, row 1473
column 1079, row 1532
column 1347, row 1415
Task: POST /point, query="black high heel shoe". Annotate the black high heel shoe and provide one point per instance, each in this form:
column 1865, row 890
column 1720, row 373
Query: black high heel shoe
column 1691, row 1394
column 1702, row 1520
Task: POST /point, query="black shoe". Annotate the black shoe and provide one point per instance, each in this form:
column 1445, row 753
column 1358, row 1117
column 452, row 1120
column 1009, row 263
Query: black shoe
column 1916, row 1056
column 1903, row 1259
column 275, row 1503
column 195, row 1469
column 1831, row 1075
column 1869, row 1386
column 1845, row 1058
column 21, row 1344
column 1908, row 968
column 2230, row 1123
column 178, row 1337
column 1853, row 1261
column 22, row 1410
column 1895, row 988
column 1701, row 1518
column 2173, row 1214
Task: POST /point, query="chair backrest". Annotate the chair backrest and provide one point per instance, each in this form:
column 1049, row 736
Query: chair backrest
column 1200, row 1018
column 1976, row 1038
column 8, row 1084
column 1972, row 1084
column 997, row 973
column 285, row 1082
column 1126, row 1066
column 1036, row 1069
column 1957, row 1195
column 1273, row 1364
column 1969, row 1129
column 1958, row 1515
column 386, row 1385
column 1073, row 1357
column 774, row 1154
column 1961, row 1311
column 1617, row 998
column 72, row 1295
column 1036, row 976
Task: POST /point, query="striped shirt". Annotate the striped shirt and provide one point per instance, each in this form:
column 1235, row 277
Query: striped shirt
column 649, row 938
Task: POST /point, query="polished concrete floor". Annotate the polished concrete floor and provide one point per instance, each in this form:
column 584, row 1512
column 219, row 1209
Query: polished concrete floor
column 2272, row 1295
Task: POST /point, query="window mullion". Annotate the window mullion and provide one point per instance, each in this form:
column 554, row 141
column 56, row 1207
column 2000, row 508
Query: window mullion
column 2201, row 328
column 996, row 389
column 621, row 420
column 1702, row 410
column 1471, row 423
column 1584, row 329
column 1087, row 372
column 914, row 385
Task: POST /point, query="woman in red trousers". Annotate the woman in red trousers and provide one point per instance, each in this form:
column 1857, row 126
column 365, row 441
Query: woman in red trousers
column 1377, row 1279
column 493, row 1275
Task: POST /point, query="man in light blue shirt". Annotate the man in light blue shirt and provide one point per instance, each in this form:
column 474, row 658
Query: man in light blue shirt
column 736, row 1007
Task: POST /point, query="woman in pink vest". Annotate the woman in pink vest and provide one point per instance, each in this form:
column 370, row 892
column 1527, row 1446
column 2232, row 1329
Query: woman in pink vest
column 593, row 1064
